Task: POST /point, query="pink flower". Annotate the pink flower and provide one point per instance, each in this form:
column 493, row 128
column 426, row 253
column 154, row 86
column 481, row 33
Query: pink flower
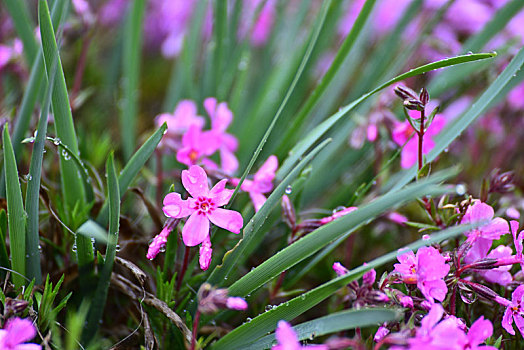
column 479, row 251
column 202, row 207
column 287, row 339
column 339, row 269
column 196, row 144
column 402, row 135
column 406, row 301
column 397, row 218
column 337, row 214
column 221, row 117
column 517, row 240
column 16, row 332
column 158, row 243
column 264, row 23
column 480, row 212
column 427, row 269
column 183, row 117
column 382, row 331
column 262, row 182
column 205, row 254
column 514, row 312
column 236, row 303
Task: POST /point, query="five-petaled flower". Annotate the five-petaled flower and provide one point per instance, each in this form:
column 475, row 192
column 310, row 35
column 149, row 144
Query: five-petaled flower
column 514, row 312
column 202, row 207
column 15, row 333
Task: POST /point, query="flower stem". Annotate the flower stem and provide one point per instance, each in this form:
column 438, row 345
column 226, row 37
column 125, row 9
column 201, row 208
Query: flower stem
column 180, row 277
column 275, row 290
column 421, row 138
column 195, row 329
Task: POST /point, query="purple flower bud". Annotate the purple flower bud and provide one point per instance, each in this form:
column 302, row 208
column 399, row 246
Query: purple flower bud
column 339, row 269
column 236, row 303
column 381, row 333
column 406, row 301
column 288, row 212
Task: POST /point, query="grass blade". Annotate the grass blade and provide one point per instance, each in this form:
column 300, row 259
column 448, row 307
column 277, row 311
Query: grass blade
column 97, row 307
column 243, row 247
column 32, row 198
column 4, row 258
column 302, row 146
column 132, row 168
column 16, row 215
column 24, row 28
column 341, row 56
column 72, row 187
column 312, row 43
column 316, row 240
column 131, row 74
column 267, row 321
column 335, row 322
column 452, row 131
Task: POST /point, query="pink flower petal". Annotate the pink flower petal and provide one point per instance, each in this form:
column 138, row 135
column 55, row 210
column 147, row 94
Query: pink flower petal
column 507, row 321
column 195, row 181
column 258, row 200
column 496, row 228
column 175, row 206
column 227, row 219
column 210, row 105
column 479, row 331
column 205, row 254
column 236, row 303
column 19, row 331
column 286, row 336
column 219, row 194
column 266, row 173
column 196, row 229
column 481, row 212
column 228, row 161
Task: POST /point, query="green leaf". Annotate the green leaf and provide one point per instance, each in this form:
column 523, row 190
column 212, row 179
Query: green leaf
column 266, row 322
column 244, row 246
column 335, row 322
column 24, row 27
column 316, row 240
column 339, row 59
column 32, row 198
column 131, row 74
column 133, row 166
column 455, row 128
column 301, row 147
column 97, row 307
column 16, row 215
column 312, row 43
column 92, row 229
column 4, row 258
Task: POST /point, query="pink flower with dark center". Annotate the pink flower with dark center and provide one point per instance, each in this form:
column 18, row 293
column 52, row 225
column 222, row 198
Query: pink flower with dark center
column 482, row 212
column 514, row 312
column 221, row 117
column 427, row 269
column 404, row 134
column 262, row 182
column 287, row 339
column 15, row 333
column 202, row 207
column 196, row 144
column 183, row 117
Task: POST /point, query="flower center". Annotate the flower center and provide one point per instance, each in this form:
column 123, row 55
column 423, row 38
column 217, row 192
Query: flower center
column 204, row 205
column 193, row 155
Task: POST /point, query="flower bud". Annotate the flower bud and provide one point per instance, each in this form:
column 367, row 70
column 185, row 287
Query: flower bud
column 288, row 212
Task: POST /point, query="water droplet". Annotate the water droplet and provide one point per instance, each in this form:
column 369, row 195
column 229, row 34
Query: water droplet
column 117, row 248
column 165, row 132
column 28, row 177
column 66, row 155
column 73, row 248
column 339, row 208
column 56, row 141
column 446, row 150
column 162, row 249
column 468, row 297
column 460, row 189
column 470, row 53
column 288, row 190
column 39, row 247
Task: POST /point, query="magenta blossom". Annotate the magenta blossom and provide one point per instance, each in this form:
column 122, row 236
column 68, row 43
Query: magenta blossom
column 287, row 339
column 15, row 333
column 221, row 117
column 479, row 250
column 159, row 242
column 196, row 144
column 262, row 182
column 205, row 254
column 427, row 269
column 514, row 312
column 482, row 212
column 337, row 214
column 404, row 134
column 449, row 333
column 339, row 269
column 183, row 117
column 202, row 207
column 236, row 303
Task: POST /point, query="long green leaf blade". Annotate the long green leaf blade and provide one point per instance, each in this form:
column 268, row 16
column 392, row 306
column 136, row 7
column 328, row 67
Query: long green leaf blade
column 336, row 322
column 99, row 301
column 243, row 248
column 24, row 27
column 131, row 66
column 72, row 186
column 315, row 134
column 316, row 240
column 16, row 215
column 266, row 322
